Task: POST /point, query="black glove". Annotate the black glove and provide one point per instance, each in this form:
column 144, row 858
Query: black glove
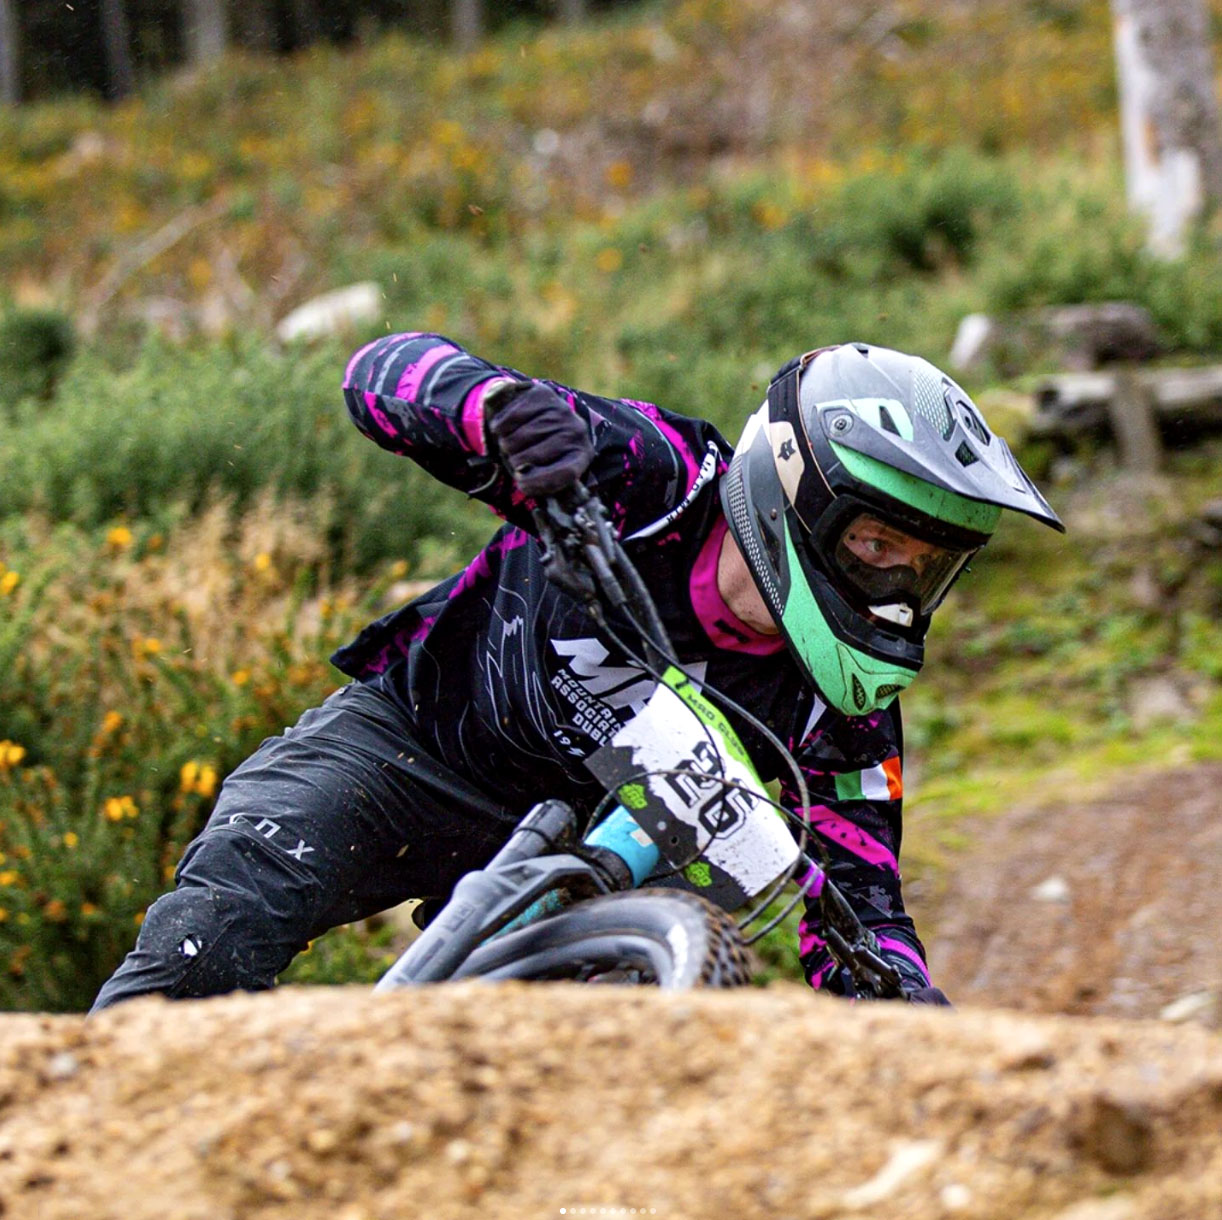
column 927, row 995
column 545, row 443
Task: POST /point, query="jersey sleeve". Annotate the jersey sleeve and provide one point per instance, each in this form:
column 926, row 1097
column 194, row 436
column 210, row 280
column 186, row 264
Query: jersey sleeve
column 424, row 396
column 854, row 773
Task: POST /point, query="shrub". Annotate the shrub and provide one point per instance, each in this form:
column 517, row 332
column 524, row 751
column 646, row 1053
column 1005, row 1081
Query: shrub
column 183, row 425
column 136, row 671
column 35, row 345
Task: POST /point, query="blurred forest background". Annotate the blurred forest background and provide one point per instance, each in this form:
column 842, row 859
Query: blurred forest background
column 663, row 200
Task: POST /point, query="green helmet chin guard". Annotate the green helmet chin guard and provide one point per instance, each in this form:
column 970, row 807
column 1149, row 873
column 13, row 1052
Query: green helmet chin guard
column 858, row 493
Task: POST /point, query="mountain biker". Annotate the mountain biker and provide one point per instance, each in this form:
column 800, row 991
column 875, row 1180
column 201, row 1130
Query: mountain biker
column 795, row 573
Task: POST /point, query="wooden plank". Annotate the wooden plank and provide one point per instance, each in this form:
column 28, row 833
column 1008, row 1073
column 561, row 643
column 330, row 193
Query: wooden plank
column 1070, row 405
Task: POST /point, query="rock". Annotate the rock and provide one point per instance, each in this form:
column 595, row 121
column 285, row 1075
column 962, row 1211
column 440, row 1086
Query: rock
column 1157, row 698
column 907, row 1157
column 1118, row 1207
column 1090, row 335
column 63, row 1066
column 973, row 340
column 1117, row 1134
column 1053, row 889
column 955, row 1197
column 1079, row 337
column 332, row 313
column 1196, row 1006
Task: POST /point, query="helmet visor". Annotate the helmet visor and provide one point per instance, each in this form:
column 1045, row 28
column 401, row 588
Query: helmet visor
column 887, row 565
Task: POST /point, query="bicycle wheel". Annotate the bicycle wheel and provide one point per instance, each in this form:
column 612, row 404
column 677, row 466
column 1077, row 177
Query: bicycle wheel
column 662, row 938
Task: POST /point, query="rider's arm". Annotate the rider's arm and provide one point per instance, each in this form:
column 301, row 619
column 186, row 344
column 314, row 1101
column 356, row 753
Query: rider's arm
column 423, row 396
column 853, row 768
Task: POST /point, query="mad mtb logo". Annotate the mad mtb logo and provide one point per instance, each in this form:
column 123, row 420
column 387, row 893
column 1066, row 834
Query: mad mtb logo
column 618, row 686
column 595, row 690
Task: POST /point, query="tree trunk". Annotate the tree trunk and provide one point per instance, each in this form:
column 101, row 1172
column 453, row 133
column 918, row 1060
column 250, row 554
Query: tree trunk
column 10, row 54
column 1169, row 114
column 307, row 24
column 256, row 25
column 116, row 38
column 466, row 23
column 573, row 12
column 206, row 35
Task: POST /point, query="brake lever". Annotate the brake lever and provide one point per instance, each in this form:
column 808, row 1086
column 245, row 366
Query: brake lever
column 563, row 539
column 856, row 948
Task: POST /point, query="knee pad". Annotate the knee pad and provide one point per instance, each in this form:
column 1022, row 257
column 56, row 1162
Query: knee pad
column 199, row 941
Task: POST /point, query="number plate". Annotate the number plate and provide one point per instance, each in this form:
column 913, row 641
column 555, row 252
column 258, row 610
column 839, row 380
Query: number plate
column 667, row 766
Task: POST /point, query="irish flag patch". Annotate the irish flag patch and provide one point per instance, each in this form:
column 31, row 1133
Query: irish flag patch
column 881, row 783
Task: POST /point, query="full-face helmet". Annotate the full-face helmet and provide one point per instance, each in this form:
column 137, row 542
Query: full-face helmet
column 858, row 494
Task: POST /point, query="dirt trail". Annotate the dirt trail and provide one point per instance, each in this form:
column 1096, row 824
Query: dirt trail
column 1101, row 907
column 515, row 1101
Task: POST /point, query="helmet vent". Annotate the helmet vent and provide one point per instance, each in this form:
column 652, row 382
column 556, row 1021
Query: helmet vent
column 974, row 424
column 965, row 455
column 745, row 535
column 929, row 401
column 859, row 693
column 885, row 692
column 886, row 422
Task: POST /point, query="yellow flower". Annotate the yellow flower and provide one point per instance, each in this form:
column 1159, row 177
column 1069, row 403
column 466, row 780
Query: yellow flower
column 609, row 259
column 8, row 582
column 619, row 175
column 199, row 778
column 194, row 165
column 187, row 775
column 88, row 908
column 116, row 808
column 769, row 215
column 446, row 131
column 138, row 918
column 206, row 784
column 10, row 754
column 119, row 538
column 3, row 914
column 262, row 561
column 111, row 721
column 240, row 677
column 145, row 646
column 398, row 569
column 199, row 273
column 9, row 877
column 55, row 911
column 71, row 838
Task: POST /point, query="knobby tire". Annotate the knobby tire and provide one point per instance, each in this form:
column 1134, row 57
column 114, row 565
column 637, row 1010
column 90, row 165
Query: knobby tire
column 667, row 938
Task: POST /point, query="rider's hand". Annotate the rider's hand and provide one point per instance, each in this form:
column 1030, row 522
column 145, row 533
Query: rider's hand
column 927, row 995
column 545, row 443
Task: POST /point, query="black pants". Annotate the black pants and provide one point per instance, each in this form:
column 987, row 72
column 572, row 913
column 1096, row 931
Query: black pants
column 339, row 818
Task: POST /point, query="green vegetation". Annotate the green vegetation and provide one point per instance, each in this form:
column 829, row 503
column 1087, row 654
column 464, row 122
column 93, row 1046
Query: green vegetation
column 188, row 522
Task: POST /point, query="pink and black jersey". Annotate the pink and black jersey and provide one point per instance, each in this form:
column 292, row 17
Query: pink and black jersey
column 509, row 685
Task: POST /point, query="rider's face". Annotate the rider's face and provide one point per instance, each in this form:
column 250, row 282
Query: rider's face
column 882, row 546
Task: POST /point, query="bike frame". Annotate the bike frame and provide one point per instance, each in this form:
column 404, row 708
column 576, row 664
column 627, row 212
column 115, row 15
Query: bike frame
column 546, row 863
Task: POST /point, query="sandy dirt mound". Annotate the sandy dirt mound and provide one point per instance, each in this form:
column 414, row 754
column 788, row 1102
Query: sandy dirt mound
column 518, row 1101
column 1104, row 907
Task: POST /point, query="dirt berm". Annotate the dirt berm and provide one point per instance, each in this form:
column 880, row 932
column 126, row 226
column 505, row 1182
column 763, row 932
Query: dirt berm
column 519, row 1101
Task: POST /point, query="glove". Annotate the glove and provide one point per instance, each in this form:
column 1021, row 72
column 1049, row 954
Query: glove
column 544, row 442
column 928, row 995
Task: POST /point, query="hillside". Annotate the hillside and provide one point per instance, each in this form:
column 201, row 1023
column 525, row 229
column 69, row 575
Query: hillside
column 523, row 1102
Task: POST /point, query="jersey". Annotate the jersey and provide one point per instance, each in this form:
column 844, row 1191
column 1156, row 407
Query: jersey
column 508, row 683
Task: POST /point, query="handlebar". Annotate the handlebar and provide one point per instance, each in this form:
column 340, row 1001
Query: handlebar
column 583, row 556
